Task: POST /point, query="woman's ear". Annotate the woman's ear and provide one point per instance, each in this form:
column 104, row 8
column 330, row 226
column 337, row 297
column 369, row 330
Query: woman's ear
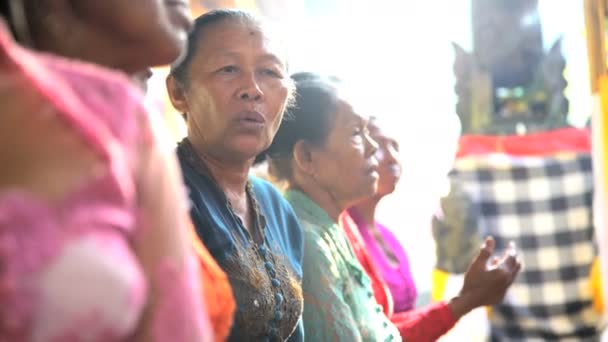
column 176, row 94
column 303, row 157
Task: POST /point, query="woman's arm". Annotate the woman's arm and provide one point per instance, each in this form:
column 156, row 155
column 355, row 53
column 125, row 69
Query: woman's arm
column 175, row 310
column 425, row 324
column 486, row 282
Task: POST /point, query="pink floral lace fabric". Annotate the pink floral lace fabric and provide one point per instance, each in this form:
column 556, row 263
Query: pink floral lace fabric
column 177, row 285
column 68, row 271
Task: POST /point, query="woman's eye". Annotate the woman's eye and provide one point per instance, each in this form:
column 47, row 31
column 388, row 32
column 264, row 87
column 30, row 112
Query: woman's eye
column 229, row 69
column 358, row 136
column 272, row 73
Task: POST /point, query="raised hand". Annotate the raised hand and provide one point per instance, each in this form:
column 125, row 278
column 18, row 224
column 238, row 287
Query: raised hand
column 487, row 278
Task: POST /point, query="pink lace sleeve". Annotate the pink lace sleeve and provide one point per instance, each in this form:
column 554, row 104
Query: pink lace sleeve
column 175, row 310
column 177, row 290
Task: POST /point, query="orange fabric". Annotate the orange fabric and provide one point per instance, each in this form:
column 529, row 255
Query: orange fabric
column 217, row 291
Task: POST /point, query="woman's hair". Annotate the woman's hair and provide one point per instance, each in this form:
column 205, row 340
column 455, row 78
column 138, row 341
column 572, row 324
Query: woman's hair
column 179, row 69
column 5, row 13
column 19, row 15
column 310, row 119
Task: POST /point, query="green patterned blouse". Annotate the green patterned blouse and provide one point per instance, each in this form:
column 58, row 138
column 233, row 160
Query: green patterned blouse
column 339, row 304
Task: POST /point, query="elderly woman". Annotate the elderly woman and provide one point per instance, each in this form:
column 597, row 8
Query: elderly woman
column 326, row 156
column 232, row 87
column 387, row 263
column 94, row 242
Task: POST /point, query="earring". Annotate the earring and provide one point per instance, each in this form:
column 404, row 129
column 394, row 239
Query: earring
column 19, row 22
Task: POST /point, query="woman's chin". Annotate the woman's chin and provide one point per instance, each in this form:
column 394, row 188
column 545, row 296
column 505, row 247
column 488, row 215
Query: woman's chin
column 248, row 148
column 368, row 188
column 386, row 189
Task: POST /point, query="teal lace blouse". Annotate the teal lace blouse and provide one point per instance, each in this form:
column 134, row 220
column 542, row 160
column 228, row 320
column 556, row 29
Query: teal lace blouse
column 339, row 304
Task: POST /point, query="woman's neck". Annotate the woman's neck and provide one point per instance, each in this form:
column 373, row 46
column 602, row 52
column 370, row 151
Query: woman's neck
column 366, row 210
column 230, row 176
column 320, row 195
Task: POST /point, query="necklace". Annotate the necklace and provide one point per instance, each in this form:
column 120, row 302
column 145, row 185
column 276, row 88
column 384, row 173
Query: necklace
column 186, row 149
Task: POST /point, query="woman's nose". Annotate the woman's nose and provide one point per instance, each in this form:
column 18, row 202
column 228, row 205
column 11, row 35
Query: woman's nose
column 250, row 89
column 371, row 146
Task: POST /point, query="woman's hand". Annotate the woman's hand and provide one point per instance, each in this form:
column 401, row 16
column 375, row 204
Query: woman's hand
column 487, row 279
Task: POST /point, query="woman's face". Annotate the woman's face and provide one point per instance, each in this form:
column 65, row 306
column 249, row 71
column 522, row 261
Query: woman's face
column 345, row 164
column 237, row 90
column 389, row 166
column 146, row 32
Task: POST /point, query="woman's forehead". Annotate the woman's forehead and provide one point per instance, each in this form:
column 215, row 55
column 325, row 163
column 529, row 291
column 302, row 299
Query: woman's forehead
column 349, row 113
column 379, row 130
column 234, row 37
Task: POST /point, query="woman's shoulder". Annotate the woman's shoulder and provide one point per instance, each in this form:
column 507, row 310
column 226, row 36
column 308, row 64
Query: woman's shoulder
column 315, row 230
column 271, row 200
column 317, row 243
column 281, row 221
column 318, row 239
column 265, row 190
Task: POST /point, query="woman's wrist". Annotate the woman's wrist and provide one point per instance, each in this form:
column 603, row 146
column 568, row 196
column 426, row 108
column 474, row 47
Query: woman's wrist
column 461, row 305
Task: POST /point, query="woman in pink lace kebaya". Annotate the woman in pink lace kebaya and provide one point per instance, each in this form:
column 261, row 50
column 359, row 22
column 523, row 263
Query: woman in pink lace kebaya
column 94, row 242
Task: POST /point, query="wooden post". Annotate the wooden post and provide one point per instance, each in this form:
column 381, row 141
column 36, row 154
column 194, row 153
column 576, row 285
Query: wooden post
column 594, row 21
column 595, row 16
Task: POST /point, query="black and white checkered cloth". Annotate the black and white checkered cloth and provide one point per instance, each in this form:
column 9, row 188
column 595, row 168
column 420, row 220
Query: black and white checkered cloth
column 544, row 204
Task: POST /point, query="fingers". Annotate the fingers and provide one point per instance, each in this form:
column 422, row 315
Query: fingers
column 510, row 256
column 489, row 244
column 508, row 259
column 481, row 260
column 511, row 263
column 516, row 269
column 489, row 277
column 508, row 264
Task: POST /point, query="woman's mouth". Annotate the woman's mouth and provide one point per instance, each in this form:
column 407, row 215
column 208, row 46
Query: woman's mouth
column 251, row 120
column 395, row 171
column 372, row 169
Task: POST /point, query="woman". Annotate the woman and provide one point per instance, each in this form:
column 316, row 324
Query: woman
column 232, row 87
column 385, row 260
column 217, row 293
column 326, row 156
column 380, row 244
column 94, row 239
